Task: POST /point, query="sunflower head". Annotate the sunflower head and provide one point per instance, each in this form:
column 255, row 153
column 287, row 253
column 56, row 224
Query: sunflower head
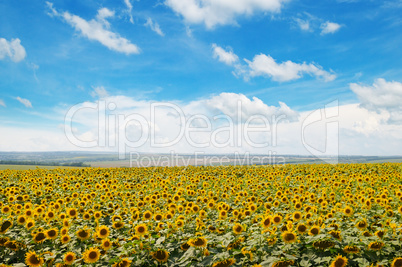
column 351, row 249
column 33, row 260
column 122, row 263
column 39, row 237
column 238, row 228
column 69, row 258
column 103, row 231
column 160, row 255
column 198, row 242
column 315, row 230
column 51, row 233
column 141, row 229
column 339, row 261
column 91, row 255
column 397, row 262
column 224, row 263
column 83, row 234
column 289, row 237
column 283, row 263
column 323, row 244
column 5, row 225
column 107, row 244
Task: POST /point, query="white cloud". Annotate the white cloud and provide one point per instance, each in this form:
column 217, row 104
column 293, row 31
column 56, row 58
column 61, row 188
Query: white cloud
column 265, row 65
column 12, row 49
column 382, row 97
column 329, row 27
column 154, row 26
column 304, row 25
column 24, row 101
column 361, row 131
column 99, row 92
column 227, row 57
column 221, row 12
column 98, row 29
column 2, row 103
column 129, row 9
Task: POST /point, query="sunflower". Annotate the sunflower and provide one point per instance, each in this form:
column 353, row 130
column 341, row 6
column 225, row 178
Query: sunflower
column 380, row 233
column 21, row 220
column 29, row 224
column 335, row 234
column 375, row 245
column 147, row 215
column 158, row 217
column 122, row 263
column 33, row 260
column 315, row 230
column 65, row 239
column 323, row 244
column 289, row 237
column 72, row 212
column 266, row 222
column 5, row 225
column 238, row 228
column 297, row 215
column 277, row 219
column 348, row 211
column 198, row 242
column 301, row 228
column 13, row 245
column 160, row 255
column 397, row 262
column 224, row 263
column 97, row 215
column 361, row 225
column 223, row 214
column 118, row 225
column 351, row 249
column 179, row 223
column 83, row 234
column 39, row 237
column 91, row 255
column 106, row 244
column 339, row 261
column 5, row 209
column 51, row 233
column 185, row 246
column 103, row 231
column 283, row 263
column 69, row 258
column 141, row 229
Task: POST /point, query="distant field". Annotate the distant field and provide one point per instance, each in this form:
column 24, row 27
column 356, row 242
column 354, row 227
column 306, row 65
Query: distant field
column 32, row 167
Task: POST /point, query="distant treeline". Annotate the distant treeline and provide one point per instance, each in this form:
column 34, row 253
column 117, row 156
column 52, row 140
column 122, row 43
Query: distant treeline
column 43, row 163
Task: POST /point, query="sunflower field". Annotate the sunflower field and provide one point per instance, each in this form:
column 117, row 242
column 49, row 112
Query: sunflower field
column 291, row 215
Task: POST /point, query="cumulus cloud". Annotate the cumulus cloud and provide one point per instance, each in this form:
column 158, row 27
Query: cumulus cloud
column 122, row 124
column 2, row 103
column 129, row 9
column 221, row 12
column 304, row 25
column 24, row 101
column 97, row 29
column 382, row 97
column 329, row 27
column 227, row 57
column 12, row 49
column 99, row 92
column 154, row 26
column 265, row 65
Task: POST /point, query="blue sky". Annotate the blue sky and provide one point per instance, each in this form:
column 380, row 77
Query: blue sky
column 54, row 55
